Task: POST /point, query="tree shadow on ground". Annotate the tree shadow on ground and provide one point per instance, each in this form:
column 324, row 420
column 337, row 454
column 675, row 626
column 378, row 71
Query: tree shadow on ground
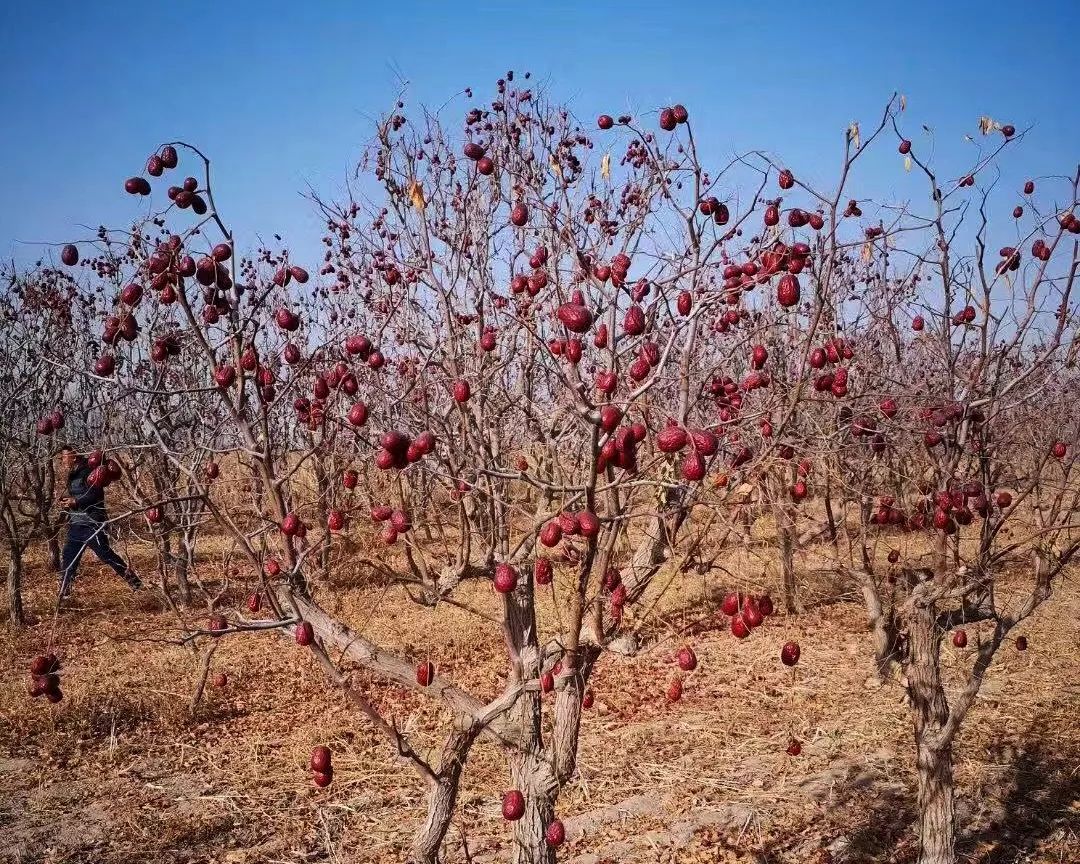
column 1002, row 821
column 884, row 831
column 1039, row 803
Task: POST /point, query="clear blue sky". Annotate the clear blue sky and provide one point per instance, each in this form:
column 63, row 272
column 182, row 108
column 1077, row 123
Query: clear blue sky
column 282, row 94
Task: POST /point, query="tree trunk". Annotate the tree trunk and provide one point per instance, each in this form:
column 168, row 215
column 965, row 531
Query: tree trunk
column 180, row 573
column 785, row 530
column 441, row 800
column 830, row 517
column 937, row 817
column 442, row 795
column 185, row 560
column 529, row 769
column 880, row 624
column 54, row 552
column 530, row 772
column 534, row 779
column 200, row 682
column 166, row 561
column 14, row 584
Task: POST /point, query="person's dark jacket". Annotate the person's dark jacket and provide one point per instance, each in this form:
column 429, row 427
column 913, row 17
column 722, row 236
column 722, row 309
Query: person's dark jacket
column 89, row 506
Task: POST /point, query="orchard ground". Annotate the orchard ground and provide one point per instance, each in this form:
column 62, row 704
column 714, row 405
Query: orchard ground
column 122, row 771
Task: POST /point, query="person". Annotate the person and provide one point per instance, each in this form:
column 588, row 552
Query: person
column 85, row 504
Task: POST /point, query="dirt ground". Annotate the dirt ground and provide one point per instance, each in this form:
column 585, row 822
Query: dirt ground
column 121, row 771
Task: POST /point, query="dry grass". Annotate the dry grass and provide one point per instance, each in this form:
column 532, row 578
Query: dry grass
column 119, row 771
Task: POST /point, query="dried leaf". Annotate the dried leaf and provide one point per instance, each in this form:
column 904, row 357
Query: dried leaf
column 416, row 195
column 555, row 167
column 605, row 166
column 903, row 102
column 867, row 251
column 853, row 133
column 907, row 163
column 986, row 125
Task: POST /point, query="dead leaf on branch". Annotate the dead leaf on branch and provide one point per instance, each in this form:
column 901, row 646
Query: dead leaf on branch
column 416, row 195
column 853, row 133
column 605, row 166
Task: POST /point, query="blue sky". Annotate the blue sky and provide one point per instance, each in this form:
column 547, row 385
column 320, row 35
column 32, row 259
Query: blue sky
column 281, row 95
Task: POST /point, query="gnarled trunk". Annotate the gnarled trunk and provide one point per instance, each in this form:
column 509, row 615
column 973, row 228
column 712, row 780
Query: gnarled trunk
column 442, row 795
column 880, row 624
column 442, row 798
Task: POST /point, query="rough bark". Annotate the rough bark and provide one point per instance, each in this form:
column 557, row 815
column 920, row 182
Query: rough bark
column 529, row 770
column 564, row 741
column 533, row 777
column 937, row 817
column 442, row 794
column 880, row 625
column 183, row 587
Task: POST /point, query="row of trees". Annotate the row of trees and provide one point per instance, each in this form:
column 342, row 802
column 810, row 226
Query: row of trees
column 566, row 357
